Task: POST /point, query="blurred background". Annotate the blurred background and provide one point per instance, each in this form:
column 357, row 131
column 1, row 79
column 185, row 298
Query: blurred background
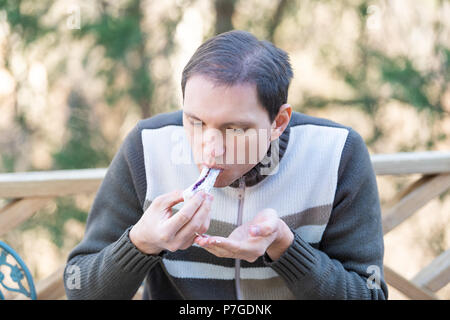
column 76, row 76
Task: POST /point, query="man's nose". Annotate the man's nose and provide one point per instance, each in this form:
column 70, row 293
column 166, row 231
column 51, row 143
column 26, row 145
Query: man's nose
column 213, row 151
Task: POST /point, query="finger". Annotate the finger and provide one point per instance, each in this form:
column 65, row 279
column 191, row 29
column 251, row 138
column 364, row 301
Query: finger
column 220, row 243
column 198, row 222
column 178, row 220
column 199, row 237
column 220, row 252
column 169, row 199
column 215, row 250
column 263, row 229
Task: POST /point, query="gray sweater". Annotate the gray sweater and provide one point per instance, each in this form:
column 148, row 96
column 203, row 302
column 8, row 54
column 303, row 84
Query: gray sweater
column 322, row 185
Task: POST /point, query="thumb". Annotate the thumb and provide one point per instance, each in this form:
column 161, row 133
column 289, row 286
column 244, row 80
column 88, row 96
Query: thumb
column 263, row 229
column 170, row 199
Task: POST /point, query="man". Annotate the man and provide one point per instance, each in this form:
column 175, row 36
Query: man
column 299, row 218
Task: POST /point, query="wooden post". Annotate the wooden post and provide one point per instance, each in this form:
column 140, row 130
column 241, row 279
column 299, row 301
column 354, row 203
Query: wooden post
column 18, row 211
column 406, row 287
column 414, row 200
column 436, row 275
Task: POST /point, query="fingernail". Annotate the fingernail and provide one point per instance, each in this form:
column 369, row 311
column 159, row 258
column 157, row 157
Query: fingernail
column 201, row 194
column 255, row 230
column 217, row 241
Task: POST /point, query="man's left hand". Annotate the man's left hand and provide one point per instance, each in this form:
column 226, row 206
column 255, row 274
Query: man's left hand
column 265, row 233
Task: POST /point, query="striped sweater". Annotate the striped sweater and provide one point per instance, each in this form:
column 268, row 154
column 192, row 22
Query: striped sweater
column 324, row 188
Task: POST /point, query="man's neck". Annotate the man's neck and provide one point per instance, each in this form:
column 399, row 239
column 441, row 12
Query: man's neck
column 266, row 166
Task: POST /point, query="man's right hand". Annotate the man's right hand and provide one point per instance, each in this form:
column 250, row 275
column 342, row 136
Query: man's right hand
column 158, row 229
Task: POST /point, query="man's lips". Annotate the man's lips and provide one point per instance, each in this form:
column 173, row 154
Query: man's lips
column 213, row 167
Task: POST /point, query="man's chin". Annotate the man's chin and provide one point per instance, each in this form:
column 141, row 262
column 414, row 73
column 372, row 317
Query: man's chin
column 221, row 184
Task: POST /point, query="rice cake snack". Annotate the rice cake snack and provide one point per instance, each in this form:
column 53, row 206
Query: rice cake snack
column 204, row 182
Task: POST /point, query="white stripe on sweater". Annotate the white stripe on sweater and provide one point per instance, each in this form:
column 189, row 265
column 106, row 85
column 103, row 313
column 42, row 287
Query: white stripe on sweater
column 311, row 234
column 200, row 270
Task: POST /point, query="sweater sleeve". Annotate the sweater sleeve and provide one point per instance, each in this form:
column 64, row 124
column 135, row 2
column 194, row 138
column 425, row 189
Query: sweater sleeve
column 106, row 264
column 349, row 261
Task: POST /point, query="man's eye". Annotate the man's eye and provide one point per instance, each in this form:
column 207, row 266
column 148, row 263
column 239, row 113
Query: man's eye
column 237, row 130
column 196, row 123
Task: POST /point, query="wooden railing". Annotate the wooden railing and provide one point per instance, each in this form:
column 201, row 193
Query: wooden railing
column 434, row 168
column 32, row 191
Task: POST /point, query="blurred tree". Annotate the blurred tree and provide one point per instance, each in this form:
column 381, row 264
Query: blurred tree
column 224, row 15
column 128, row 53
column 225, row 10
column 276, row 19
column 85, row 147
column 25, row 28
column 377, row 78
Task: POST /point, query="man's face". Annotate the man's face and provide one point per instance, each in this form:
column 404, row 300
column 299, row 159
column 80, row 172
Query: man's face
column 226, row 127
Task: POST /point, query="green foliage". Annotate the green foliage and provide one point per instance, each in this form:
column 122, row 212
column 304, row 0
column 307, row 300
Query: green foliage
column 28, row 25
column 54, row 222
column 117, row 34
column 7, row 163
column 408, row 84
column 123, row 41
column 376, row 78
column 85, row 147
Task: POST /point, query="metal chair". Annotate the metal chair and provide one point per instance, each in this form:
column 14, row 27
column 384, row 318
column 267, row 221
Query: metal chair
column 18, row 279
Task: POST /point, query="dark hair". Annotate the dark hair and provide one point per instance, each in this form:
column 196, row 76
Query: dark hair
column 237, row 57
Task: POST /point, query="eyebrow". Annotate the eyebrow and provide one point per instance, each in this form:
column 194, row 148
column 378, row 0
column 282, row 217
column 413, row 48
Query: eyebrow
column 233, row 123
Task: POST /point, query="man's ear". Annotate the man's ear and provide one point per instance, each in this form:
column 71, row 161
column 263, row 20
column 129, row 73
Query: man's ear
column 281, row 121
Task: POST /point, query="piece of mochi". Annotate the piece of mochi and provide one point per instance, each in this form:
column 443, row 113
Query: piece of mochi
column 204, row 182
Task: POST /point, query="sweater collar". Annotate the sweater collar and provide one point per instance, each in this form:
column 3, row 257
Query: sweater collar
column 270, row 161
